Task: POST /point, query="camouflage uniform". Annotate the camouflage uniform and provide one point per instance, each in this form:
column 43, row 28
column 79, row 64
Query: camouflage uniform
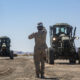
column 39, row 50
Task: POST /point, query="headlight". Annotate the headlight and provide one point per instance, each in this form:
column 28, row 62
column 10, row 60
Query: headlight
column 54, row 39
column 4, row 45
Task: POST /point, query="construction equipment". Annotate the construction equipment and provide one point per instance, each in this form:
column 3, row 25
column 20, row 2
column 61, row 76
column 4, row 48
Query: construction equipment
column 5, row 47
column 62, row 43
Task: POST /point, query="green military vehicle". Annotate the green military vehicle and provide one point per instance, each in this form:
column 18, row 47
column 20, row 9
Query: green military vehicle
column 62, row 43
column 5, row 47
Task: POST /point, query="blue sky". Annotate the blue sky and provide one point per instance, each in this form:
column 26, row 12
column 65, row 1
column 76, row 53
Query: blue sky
column 19, row 18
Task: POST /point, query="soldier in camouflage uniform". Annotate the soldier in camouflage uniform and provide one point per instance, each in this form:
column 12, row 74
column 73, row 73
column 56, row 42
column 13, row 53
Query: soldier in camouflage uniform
column 39, row 49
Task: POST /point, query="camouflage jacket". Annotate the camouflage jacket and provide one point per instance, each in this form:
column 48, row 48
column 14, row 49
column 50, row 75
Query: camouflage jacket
column 40, row 39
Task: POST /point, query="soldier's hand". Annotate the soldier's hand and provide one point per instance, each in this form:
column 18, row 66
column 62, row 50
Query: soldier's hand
column 31, row 36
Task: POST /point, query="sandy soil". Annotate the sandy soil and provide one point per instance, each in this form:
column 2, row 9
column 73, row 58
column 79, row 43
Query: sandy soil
column 22, row 68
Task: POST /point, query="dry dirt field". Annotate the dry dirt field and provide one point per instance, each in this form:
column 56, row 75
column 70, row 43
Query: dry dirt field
column 22, row 68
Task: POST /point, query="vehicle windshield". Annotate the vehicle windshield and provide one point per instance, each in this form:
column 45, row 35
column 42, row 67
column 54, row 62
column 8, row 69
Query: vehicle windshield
column 5, row 40
column 61, row 30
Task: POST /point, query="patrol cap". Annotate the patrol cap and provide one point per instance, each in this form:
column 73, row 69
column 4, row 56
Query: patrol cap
column 40, row 26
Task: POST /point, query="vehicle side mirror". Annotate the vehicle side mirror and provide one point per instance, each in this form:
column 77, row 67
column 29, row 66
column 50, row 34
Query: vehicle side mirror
column 74, row 32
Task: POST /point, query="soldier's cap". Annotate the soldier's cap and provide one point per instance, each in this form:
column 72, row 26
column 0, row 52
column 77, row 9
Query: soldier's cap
column 40, row 24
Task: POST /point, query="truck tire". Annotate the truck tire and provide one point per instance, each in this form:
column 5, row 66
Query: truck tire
column 72, row 61
column 47, row 56
column 79, row 55
column 11, row 55
column 51, row 56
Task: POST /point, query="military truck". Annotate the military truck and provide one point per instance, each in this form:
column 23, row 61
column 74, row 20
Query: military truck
column 5, row 47
column 62, row 36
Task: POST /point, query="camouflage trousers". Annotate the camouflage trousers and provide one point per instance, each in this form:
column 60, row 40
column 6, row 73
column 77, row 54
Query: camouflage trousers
column 39, row 61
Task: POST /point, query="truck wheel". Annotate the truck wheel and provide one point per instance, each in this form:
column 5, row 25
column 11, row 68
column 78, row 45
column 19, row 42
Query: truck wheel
column 72, row 61
column 11, row 55
column 79, row 55
column 47, row 56
column 51, row 57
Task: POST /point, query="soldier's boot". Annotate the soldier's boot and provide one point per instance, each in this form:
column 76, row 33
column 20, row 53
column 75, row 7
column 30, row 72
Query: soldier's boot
column 37, row 75
column 42, row 76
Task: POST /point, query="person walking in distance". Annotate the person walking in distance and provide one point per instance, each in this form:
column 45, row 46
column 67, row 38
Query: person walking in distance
column 39, row 49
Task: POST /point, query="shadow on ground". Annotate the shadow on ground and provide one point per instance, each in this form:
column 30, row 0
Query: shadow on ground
column 67, row 64
column 51, row 78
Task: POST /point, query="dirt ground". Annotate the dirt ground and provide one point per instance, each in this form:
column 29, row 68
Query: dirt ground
column 22, row 68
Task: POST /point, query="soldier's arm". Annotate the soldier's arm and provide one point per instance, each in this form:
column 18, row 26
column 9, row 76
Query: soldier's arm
column 31, row 36
column 44, row 30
